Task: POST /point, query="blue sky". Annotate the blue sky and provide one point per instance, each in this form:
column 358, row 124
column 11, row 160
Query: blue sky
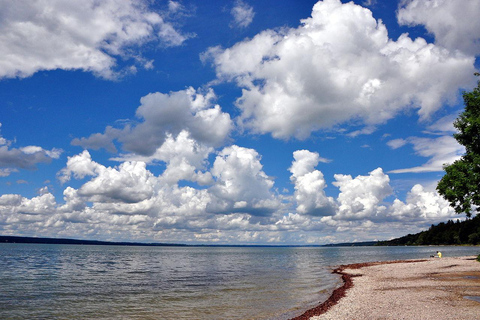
column 237, row 122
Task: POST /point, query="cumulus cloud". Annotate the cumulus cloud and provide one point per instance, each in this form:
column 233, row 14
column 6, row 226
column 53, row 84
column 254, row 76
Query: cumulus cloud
column 242, row 14
column 78, row 34
column 454, row 26
column 185, row 159
column 241, row 184
column 128, row 189
column 162, row 114
column 361, row 197
column 352, row 73
column 79, row 166
column 12, row 159
column 17, row 212
column 131, row 182
column 129, row 202
column 309, row 185
column 238, row 191
column 41, row 205
column 422, row 204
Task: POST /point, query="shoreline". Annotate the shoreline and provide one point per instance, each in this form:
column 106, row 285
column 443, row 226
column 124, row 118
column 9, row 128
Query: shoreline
column 428, row 276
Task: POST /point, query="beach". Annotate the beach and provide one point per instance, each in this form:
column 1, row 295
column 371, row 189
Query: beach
column 435, row 288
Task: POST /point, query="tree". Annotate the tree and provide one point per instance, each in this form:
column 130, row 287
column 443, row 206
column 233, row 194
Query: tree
column 461, row 184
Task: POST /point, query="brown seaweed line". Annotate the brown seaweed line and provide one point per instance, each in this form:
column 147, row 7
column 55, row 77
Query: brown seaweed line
column 340, row 292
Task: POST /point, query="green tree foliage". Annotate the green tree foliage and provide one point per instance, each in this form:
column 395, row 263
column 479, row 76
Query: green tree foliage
column 461, row 184
column 450, row 233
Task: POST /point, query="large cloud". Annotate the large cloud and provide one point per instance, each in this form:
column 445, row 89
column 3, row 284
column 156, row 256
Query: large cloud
column 129, row 202
column 129, row 189
column 77, row 34
column 454, row 26
column 338, row 66
column 162, row 115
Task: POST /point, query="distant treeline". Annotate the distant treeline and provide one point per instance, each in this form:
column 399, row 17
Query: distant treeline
column 16, row 239
column 449, row 233
column 13, row 239
column 352, row 244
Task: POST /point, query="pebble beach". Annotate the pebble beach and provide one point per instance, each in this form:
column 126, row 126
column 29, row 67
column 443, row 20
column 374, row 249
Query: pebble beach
column 435, row 288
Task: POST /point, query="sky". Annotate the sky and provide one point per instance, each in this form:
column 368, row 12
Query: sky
column 230, row 122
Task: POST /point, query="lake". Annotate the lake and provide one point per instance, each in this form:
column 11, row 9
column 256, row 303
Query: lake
column 40, row 281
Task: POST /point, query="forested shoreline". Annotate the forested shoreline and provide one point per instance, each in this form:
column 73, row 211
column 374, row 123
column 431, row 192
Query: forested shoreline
column 445, row 233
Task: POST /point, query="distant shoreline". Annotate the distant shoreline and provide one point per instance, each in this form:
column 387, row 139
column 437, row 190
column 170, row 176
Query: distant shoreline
column 39, row 240
column 35, row 240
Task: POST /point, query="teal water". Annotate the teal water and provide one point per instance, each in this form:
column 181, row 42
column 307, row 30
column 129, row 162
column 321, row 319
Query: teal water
column 109, row 282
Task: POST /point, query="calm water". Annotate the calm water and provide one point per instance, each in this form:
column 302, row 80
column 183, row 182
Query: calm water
column 103, row 282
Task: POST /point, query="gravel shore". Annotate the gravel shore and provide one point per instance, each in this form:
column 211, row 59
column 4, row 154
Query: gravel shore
column 446, row 288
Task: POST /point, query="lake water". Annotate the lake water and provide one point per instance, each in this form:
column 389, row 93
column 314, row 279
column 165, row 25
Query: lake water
column 113, row 282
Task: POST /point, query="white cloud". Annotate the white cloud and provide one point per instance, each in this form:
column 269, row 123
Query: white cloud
column 454, row 26
column 294, row 221
column 10, row 199
column 15, row 209
column 241, row 184
column 129, row 202
column 397, row 143
column 442, row 150
column 163, row 114
column 241, row 190
column 309, row 185
column 77, row 34
column 5, row 172
column 242, row 14
column 79, row 166
column 131, row 182
column 422, row 205
column 185, row 159
column 352, row 72
column 443, row 125
column 361, row 197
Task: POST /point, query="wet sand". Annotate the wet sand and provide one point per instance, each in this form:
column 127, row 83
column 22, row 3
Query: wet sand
column 446, row 288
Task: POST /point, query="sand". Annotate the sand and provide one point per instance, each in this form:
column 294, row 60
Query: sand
column 411, row 289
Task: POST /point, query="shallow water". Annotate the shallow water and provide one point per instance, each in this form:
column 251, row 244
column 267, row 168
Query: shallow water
column 105, row 282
